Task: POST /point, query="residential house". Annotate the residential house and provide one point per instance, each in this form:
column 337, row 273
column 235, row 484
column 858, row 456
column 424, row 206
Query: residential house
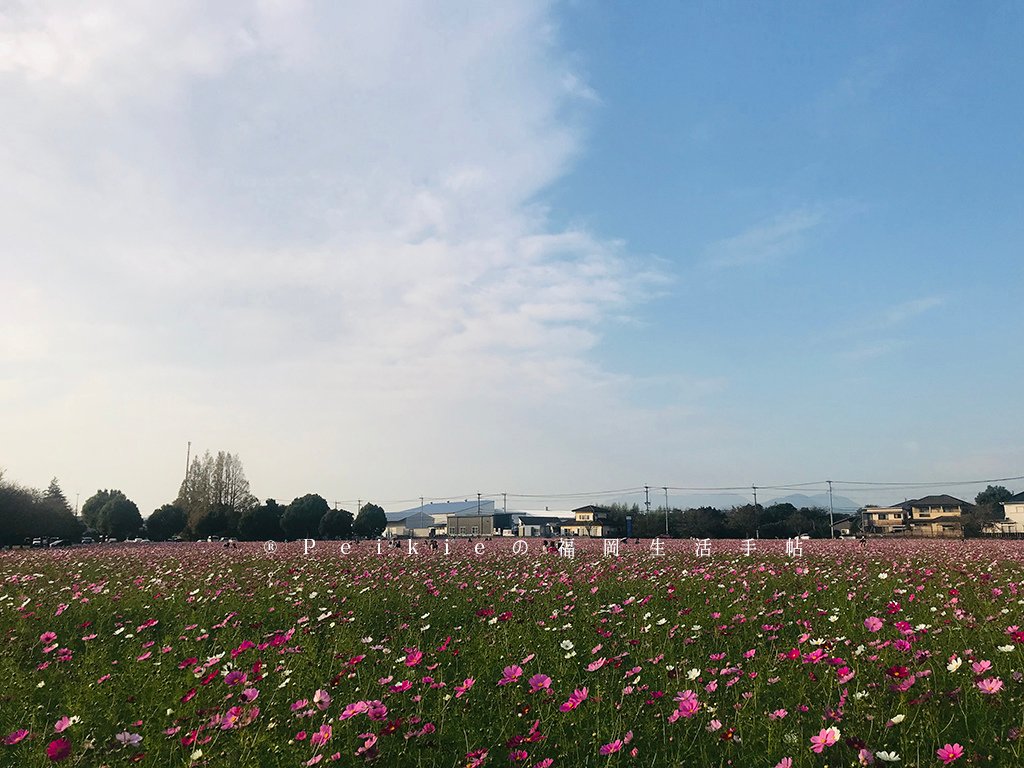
column 591, row 521
column 1013, row 522
column 937, row 516
column 884, row 520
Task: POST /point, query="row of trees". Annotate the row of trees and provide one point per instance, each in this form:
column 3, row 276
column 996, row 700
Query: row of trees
column 778, row 521
column 214, row 500
column 27, row 513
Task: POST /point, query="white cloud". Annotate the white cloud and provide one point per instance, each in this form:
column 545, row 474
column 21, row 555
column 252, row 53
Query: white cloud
column 771, row 240
column 303, row 232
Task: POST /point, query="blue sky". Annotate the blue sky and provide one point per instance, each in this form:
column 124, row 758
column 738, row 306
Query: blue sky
column 396, row 249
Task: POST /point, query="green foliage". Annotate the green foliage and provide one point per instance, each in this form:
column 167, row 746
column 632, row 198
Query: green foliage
column 370, row 522
column 169, row 520
column 92, row 506
column 336, row 524
column 261, row 523
column 301, row 520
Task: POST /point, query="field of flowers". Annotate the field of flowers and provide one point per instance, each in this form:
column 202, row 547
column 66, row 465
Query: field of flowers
column 897, row 653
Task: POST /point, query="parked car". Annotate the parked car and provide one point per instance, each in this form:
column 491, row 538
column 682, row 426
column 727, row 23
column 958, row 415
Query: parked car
column 58, row 543
column 87, row 540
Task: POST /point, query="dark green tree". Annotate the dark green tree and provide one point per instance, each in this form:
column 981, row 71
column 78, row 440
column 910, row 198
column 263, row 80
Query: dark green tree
column 92, row 506
column 336, row 524
column 17, row 507
column 261, row 523
column 119, row 518
column 989, row 502
column 370, row 522
column 165, row 522
column 301, row 520
column 743, row 522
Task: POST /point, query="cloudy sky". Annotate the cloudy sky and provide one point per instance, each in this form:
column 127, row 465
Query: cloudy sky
column 398, row 249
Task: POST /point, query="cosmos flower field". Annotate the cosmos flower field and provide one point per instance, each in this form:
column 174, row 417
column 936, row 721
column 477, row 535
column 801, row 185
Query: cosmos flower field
column 897, row 653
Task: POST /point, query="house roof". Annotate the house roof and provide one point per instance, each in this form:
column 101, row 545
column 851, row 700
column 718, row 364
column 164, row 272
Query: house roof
column 939, row 500
column 1015, row 499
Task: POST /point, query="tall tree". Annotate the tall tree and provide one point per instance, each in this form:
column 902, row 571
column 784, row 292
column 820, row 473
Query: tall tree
column 215, row 487
column 336, row 524
column 113, row 514
column 990, row 502
column 301, row 520
column 262, row 522
column 370, row 522
column 92, row 506
column 166, row 522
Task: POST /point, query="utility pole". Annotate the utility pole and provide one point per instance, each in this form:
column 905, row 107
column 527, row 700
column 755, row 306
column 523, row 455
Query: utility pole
column 647, row 498
column 755, row 494
column 831, row 519
column 504, row 503
column 665, row 489
column 478, row 503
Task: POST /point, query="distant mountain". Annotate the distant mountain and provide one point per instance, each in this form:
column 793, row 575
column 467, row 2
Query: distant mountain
column 721, row 501
column 840, row 504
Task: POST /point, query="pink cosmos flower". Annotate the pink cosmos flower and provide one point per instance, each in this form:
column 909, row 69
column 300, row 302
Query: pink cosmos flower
column 413, row 657
column 249, row 695
column 990, row 685
column 596, row 665
column 611, row 748
column 778, row 714
column 510, row 674
column 47, row 637
column 322, row 736
column 786, row 762
column 464, row 688
column 872, row 623
column 576, row 698
column 16, row 736
column 62, row 725
column 322, row 699
column 950, row 752
column 234, row 677
column 58, row 750
column 538, row 682
column 982, row 666
column 826, row 738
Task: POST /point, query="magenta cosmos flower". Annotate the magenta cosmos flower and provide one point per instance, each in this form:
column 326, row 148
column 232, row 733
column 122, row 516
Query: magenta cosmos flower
column 510, row 674
column 950, row 752
column 16, row 736
column 538, row 682
column 576, row 698
column 58, row 750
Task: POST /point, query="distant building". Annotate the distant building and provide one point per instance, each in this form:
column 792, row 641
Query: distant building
column 844, row 526
column 432, row 519
column 479, row 520
column 591, row 521
column 885, row 519
column 540, row 526
column 1013, row 522
column 939, row 516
